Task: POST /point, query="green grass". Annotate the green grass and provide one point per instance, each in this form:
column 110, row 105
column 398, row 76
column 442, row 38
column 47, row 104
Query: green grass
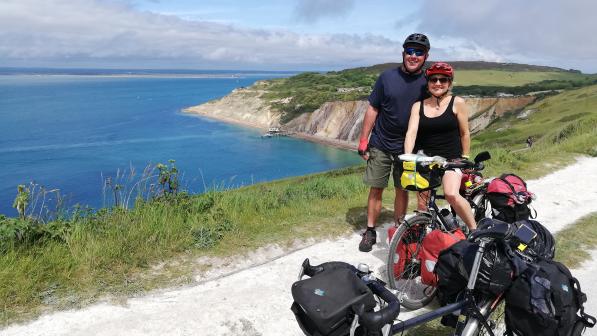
column 119, row 253
column 508, row 78
column 115, row 251
column 563, row 126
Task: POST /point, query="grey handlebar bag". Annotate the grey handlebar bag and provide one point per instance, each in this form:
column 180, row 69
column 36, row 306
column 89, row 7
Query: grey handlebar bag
column 323, row 304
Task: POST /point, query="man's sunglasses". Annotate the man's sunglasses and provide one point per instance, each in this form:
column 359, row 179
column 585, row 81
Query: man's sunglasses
column 414, row 51
column 442, row 80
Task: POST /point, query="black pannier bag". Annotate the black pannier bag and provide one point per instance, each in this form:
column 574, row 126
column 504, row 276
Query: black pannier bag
column 455, row 263
column 543, row 245
column 454, row 266
column 323, row 304
column 509, row 198
column 546, row 300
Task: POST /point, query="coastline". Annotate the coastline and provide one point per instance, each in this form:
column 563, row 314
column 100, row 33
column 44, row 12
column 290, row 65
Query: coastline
column 190, row 110
column 299, row 135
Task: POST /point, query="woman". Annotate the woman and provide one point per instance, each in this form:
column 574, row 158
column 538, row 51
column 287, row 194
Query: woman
column 438, row 125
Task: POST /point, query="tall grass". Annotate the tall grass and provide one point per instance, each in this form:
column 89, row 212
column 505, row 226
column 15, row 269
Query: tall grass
column 113, row 251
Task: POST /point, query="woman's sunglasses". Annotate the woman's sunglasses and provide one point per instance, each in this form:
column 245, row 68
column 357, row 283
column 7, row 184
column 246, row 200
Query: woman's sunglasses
column 442, row 80
column 414, row 51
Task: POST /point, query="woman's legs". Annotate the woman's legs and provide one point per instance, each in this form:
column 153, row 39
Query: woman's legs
column 451, row 184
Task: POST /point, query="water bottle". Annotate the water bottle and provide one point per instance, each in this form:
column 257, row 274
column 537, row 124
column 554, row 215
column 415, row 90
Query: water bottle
column 450, row 221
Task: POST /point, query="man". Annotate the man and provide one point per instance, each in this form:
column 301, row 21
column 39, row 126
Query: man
column 386, row 121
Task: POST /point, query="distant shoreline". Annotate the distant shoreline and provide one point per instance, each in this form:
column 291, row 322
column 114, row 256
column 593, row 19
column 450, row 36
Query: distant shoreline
column 143, row 73
column 223, row 76
column 303, row 136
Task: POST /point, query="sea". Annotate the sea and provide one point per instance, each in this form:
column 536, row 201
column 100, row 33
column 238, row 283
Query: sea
column 86, row 136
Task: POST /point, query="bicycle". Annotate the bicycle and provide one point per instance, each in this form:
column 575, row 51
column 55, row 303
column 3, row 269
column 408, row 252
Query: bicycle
column 478, row 313
column 412, row 293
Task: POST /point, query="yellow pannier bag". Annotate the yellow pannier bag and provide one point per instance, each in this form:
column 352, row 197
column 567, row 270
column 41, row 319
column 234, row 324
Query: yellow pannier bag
column 417, row 176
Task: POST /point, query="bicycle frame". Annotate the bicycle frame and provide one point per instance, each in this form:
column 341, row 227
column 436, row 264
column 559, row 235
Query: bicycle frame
column 433, row 210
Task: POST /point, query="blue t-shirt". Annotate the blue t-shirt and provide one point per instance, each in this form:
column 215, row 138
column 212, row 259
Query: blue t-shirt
column 393, row 96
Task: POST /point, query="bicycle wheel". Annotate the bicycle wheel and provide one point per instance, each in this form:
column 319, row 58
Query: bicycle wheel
column 404, row 266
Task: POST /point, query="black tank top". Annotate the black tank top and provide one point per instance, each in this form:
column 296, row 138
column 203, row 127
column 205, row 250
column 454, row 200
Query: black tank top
column 439, row 135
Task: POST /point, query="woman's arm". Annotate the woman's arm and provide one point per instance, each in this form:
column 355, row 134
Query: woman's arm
column 461, row 110
column 413, row 127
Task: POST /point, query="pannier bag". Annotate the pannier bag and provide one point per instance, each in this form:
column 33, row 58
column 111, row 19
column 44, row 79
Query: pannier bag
column 455, row 263
column 433, row 243
column 543, row 245
column 546, row 300
column 509, row 198
column 322, row 304
column 419, row 176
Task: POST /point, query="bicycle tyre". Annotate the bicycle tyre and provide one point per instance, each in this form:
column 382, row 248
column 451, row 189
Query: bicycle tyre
column 412, row 294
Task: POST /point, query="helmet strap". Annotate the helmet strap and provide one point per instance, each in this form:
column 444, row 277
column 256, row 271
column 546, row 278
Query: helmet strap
column 438, row 99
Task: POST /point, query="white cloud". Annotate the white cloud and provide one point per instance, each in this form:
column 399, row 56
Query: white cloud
column 554, row 32
column 110, row 33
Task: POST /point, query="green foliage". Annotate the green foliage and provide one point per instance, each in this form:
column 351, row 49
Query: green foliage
column 22, row 200
column 168, row 178
column 112, row 249
column 310, row 90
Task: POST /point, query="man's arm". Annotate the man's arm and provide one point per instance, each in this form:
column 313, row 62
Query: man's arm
column 368, row 122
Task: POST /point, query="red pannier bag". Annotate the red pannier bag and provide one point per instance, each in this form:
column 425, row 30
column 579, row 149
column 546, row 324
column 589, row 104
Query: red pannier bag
column 405, row 250
column 508, row 190
column 433, row 243
column 509, row 198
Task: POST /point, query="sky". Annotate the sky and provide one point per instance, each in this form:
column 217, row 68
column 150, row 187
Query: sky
column 292, row 34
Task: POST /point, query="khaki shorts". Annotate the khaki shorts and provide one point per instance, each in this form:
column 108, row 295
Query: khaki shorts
column 379, row 167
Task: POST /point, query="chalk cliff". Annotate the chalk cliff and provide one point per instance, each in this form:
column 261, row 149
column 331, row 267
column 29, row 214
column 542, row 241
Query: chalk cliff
column 334, row 122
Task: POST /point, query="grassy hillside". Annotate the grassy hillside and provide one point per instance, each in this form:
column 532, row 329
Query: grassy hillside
column 75, row 260
column 510, row 78
column 308, row 91
column 562, row 125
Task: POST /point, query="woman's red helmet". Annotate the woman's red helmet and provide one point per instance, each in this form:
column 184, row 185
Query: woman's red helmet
column 440, row 68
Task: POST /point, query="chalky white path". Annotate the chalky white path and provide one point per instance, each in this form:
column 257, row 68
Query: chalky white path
column 255, row 300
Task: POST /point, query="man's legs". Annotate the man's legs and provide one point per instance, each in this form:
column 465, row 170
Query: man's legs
column 376, row 177
column 373, row 206
column 373, row 211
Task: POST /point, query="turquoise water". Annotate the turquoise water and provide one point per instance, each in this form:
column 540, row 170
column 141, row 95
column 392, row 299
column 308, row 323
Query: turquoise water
column 70, row 132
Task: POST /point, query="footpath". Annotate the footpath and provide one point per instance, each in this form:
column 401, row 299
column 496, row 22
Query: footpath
column 254, row 298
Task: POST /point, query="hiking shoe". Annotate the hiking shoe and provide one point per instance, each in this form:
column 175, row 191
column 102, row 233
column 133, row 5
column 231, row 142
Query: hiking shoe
column 369, row 238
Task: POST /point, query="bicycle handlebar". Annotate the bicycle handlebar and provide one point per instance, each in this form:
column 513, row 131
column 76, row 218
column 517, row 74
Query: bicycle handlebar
column 477, row 164
column 375, row 320
column 496, row 229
